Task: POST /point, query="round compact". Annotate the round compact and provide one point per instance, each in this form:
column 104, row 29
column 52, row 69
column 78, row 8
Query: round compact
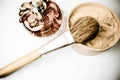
column 109, row 29
column 41, row 17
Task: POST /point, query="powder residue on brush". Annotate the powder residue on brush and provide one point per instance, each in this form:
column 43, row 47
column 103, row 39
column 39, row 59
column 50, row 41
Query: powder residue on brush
column 84, row 29
column 109, row 30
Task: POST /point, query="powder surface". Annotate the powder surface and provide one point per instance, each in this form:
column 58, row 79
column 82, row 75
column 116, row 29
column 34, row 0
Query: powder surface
column 41, row 20
column 109, row 30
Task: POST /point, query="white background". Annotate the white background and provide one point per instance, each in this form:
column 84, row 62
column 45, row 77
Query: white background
column 63, row 64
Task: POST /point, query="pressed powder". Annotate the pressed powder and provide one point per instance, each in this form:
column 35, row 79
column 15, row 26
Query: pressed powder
column 109, row 29
column 41, row 17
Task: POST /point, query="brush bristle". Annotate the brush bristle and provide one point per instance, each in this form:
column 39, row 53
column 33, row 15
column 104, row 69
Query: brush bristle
column 84, row 29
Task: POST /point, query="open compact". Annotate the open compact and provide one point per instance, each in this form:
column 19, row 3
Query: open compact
column 41, row 17
column 109, row 29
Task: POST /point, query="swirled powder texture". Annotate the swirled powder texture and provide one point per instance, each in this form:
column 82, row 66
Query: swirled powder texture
column 109, row 30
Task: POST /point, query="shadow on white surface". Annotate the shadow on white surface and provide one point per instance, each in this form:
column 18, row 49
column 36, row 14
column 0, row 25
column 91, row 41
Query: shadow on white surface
column 116, row 48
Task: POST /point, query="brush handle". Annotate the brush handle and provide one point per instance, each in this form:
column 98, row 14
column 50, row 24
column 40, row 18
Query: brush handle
column 19, row 63
column 59, row 42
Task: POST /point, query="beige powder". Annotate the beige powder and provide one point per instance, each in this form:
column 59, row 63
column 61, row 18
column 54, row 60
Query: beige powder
column 109, row 30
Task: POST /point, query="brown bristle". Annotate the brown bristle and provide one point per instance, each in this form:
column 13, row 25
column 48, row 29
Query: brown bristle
column 84, row 29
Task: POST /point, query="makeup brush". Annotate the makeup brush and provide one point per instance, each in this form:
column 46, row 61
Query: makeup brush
column 82, row 31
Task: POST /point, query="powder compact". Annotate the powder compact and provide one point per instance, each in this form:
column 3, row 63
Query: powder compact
column 41, row 17
column 109, row 29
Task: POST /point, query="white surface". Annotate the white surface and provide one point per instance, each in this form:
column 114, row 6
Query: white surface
column 63, row 64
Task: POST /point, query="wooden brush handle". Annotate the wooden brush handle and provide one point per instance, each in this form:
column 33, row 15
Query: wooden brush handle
column 61, row 41
column 17, row 64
